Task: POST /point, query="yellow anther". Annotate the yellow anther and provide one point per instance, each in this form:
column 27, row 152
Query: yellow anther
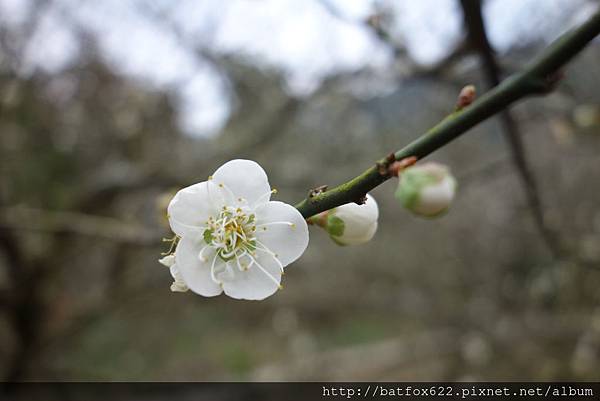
column 293, row 226
column 274, row 191
column 280, row 287
column 210, row 177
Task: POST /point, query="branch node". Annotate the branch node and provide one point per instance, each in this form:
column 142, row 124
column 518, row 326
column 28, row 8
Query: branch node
column 317, row 191
column 396, row 167
column 383, row 166
column 361, row 200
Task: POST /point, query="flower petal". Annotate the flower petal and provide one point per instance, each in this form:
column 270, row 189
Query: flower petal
column 191, row 206
column 354, row 214
column 167, row 261
column 254, row 283
column 360, row 221
column 179, row 284
column 282, row 230
column 246, row 179
column 351, row 237
column 195, row 272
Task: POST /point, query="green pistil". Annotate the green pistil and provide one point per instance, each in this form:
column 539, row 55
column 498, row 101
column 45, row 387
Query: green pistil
column 208, row 236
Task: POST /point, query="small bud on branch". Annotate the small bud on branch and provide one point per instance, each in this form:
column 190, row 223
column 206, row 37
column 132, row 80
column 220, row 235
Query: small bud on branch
column 427, row 189
column 466, row 97
column 396, row 167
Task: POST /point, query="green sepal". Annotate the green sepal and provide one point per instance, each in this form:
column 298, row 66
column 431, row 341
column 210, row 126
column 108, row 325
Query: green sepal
column 335, row 226
column 410, row 186
column 337, row 241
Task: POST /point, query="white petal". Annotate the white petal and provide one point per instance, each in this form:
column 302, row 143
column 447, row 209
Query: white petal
column 288, row 241
column 246, row 179
column 436, row 198
column 353, row 214
column 356, row 238
column 195, row 273
column 179, row 284
column 167, row 261
column 254, row 283
column 178, row 287
column 360, row 221
column 191, row 206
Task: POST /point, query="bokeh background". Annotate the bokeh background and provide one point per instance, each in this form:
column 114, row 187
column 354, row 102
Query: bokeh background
column 107, row 108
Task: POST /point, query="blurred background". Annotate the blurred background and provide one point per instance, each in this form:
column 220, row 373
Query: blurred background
column 107, row 108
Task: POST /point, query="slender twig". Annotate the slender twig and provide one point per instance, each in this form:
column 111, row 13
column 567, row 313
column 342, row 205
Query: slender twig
column 538, row 77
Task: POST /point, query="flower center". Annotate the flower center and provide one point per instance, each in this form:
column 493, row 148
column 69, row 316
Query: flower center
column 232, row 235
column 231, row 231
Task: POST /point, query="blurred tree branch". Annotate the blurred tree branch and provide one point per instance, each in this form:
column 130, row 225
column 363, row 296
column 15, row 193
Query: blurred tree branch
column 15, row 44
column 376, row 24
column 112, row 229
column 492, row 71
column 538, row 77
column 24, row 302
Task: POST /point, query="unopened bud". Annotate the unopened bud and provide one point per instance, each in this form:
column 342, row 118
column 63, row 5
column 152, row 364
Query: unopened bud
column 426, row 189
column 353, row 224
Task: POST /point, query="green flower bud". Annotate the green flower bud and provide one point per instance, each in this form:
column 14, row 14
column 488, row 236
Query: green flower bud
column 353, row 224
column 426, row 189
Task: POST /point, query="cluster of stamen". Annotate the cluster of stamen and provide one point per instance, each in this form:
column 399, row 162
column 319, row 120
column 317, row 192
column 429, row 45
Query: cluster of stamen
column 232, row 231
column 232, row 236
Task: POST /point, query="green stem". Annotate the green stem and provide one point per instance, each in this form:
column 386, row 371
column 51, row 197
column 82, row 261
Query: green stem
column 538, row 77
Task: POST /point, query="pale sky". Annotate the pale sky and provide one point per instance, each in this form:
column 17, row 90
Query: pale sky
column 301, row 38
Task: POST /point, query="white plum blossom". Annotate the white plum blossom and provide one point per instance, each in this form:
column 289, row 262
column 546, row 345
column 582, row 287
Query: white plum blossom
column 350, row 224
column 178, row 284
column 426, row 189
column 232, row 237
